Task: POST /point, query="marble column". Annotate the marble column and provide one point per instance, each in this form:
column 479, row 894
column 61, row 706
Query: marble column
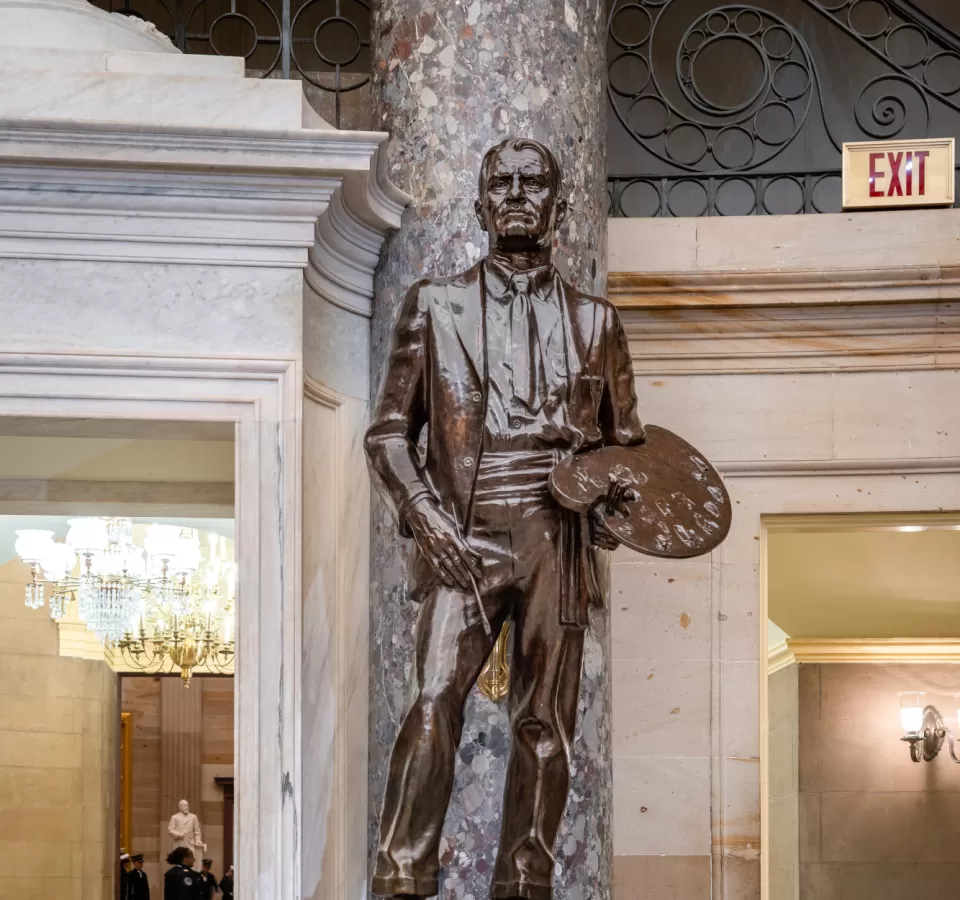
column 452, row 78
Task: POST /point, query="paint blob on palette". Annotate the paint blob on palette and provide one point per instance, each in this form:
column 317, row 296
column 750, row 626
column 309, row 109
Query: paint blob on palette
column 681, row 509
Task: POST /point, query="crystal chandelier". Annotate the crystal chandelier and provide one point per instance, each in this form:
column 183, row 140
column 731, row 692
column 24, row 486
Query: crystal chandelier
column 167, row 604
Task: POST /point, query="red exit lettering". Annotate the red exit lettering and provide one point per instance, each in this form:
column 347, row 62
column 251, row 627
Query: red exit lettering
column 897, row 170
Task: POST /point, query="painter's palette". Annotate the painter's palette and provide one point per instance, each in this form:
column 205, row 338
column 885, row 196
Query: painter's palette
column 683, row 510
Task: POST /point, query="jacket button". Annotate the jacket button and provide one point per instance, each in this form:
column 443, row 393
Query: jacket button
column 467, row 462
column 476, row 397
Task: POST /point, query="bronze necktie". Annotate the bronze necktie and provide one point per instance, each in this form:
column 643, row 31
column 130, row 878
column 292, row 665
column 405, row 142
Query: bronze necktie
column 524, row 357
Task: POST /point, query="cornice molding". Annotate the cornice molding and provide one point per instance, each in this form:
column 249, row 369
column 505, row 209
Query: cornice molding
column 779, row 657
column 108, row 145
column 318, row 200
column 806, row 287
column 830, row 650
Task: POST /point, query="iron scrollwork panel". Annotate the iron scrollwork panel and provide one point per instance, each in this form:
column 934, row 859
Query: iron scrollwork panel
column 326, row 43
column 721, row 102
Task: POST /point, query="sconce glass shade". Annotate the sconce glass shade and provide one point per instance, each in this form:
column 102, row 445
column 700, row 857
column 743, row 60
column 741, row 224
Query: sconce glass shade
column 956, row 703
column 911, row 711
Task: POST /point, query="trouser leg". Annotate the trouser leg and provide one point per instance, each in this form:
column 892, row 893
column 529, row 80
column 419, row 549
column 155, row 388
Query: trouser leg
column 451, row 651
column 544, row 689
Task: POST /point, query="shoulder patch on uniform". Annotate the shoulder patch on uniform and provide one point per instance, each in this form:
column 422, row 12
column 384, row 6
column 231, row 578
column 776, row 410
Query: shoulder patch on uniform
column 188, row 881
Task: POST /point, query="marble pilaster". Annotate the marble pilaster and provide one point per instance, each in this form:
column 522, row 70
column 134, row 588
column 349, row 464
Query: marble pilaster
column 450, row 80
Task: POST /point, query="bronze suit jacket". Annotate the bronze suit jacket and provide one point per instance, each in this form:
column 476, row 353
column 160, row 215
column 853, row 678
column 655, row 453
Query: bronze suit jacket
column 435, row 378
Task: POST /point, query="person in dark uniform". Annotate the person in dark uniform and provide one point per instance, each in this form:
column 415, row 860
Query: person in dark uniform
column 125, row 869
column 208, row 883
column 226, row 885
column 138, row 885
column 180, row 881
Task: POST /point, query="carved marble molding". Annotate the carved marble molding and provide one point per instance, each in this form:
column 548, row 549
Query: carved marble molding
column 316, row 200
column 871, row 292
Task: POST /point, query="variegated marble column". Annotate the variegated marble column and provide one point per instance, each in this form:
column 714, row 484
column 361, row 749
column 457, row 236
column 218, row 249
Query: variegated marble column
column 452, row 78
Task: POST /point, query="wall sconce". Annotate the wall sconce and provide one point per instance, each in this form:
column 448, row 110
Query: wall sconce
column 924, row 729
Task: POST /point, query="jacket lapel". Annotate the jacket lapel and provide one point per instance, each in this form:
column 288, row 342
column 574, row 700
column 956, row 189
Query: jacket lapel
column 465, row 303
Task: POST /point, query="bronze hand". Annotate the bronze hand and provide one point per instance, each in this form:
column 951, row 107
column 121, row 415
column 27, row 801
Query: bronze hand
column 439, row 541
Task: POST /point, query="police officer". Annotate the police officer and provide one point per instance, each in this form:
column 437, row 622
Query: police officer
column 180, row 881
column 226, row 884
column 208, row 883
column 138, row 885
column 126, row 867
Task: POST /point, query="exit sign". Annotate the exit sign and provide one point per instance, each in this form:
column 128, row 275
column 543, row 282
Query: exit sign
column 897, row 174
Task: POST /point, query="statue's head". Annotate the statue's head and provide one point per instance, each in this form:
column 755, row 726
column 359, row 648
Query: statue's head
column 520, row 206
column 183, row 806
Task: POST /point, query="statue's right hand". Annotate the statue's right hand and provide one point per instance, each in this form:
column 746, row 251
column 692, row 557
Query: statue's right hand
column 439, row 541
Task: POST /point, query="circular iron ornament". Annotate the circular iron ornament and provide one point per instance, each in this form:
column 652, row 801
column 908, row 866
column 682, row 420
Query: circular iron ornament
column 688, row 128
column 720, row 154
column 888, row 113
column 790, row 66
column 910, row 61
column 833, row 7
column 647, row 109
column 718, row 29
column 777, row 30
column 691, row 45
column 680, row 183
column 934, row 60
column 644, row 101
column 837, row 190
column 745, row 32
column 637, row 87
column 683, row 508
column 725, row 188
column 234, row 17
column 271, row 37
column 633, row 8
column 869, row 35
column 709, row 105
column 786, row 180
column 758, row 127
column 633, row 186
column 358, row 41
column 339, row 87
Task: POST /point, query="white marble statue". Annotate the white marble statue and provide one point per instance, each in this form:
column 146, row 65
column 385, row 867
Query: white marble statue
column 184, row 828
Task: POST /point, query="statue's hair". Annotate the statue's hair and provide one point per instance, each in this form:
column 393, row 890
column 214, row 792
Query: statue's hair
column 553, row 168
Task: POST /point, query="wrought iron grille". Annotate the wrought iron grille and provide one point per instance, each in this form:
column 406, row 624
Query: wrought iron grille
column 326, row 43
column 742, row 109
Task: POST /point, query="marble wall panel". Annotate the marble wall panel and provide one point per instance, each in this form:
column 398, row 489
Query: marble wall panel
column 150, row 308
column 175, row 100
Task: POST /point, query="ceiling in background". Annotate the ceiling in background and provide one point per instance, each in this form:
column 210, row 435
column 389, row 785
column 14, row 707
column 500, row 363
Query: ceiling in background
column 871, row 583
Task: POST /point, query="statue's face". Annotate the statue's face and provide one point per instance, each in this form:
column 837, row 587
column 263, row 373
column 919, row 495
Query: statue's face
column 519, row 208
column 184, row 806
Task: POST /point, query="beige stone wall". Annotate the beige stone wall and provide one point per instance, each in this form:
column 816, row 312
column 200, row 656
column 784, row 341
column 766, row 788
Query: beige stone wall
column 784, row 774
column 814, row 360
column 872, row 822
column 59, row 727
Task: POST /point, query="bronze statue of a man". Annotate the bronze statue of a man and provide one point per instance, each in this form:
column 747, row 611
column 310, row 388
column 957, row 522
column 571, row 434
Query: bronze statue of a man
column 510, row 370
